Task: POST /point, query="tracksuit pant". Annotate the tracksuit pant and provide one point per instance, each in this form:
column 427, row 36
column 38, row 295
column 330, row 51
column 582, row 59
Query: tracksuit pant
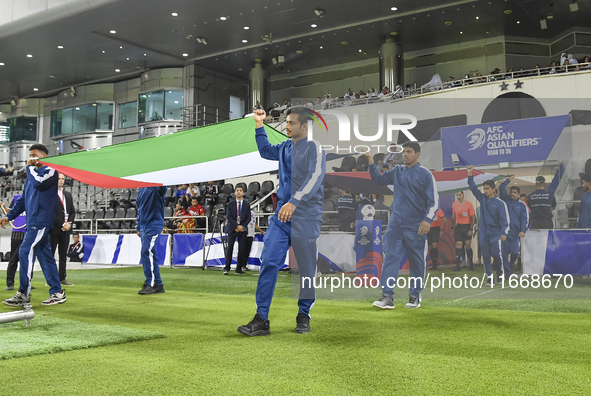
column 396, row 240
column 492, row 246
column 150, row 257
column 302, row 236
column 36, row 245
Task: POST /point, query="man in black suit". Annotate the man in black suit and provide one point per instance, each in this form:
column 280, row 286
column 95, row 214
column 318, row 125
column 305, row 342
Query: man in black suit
column 65, row 213
column 238, row 216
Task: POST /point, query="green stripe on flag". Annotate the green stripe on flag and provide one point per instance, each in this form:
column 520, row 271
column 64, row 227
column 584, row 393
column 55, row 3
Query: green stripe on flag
column 193, row 146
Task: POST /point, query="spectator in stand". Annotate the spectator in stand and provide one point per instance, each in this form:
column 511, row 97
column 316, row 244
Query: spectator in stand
column 76, row 249
column 361, row 94
column 211, row 193
column 310, row 103
column 5, row 170
column 584, row 220
column 10, row 168
column 182, row 191
column 385, row 92
column 192, row 192
column 563, row 57
column 180, row 224
column 572, row 60
column 196, row 210
column 347, row 101
column 509, row 74
column 373, row 93
column 283, row 106
column 347, row 206
column 393, row 157
column 541, row 203
column 565, row 68
column 586, row 64
column 318, row 102
column 553, row 67
column 349, row 94
column 436, row 230
column 7, row 187
column 275, row 112
column 450, row 82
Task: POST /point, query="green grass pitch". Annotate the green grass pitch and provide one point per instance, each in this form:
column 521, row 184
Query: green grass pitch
column 447, row 347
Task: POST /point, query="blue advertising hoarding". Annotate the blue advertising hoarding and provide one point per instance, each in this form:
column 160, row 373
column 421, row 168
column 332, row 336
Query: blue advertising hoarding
column 505, row 141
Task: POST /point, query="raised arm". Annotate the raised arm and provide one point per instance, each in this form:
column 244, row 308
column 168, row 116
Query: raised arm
column 378, row 178
column 266, row 149
column 472, row 185
column 503, row 189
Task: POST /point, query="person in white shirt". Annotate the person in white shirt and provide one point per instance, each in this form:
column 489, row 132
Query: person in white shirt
column 251, row 229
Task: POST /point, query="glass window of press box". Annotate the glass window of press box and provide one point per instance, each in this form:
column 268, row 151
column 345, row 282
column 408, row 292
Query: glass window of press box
column 23, row 128
column 160, row 105
column 127, row 115
column 83, row 118
column 4, row 133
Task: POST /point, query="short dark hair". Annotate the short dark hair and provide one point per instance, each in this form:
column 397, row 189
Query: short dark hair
column 586, row 178
column 40, row 147
column 461, row 192
column 302, row 112
column 413, row 145
column 239, row 188
column 516, row 189
column 490, row 183
column 76, row 233
column 523, row 195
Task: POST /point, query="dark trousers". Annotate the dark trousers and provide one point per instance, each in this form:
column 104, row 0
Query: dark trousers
column 541, row 223
column 62, row 240
column 241, row 236
column 15, row 245
column 247, row 248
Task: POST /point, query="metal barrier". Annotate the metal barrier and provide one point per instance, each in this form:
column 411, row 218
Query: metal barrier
column 82, row 230
column 384, row 223
column 123, row 230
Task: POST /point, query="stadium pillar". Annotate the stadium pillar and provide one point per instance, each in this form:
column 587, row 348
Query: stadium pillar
column 391, row 68
column 258, row 86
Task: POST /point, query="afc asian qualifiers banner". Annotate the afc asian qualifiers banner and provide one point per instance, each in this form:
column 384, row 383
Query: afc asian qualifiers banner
column 507, row 141
column 368, row 249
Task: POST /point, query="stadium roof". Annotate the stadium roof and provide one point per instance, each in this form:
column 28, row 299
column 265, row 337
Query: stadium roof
column 148, row 35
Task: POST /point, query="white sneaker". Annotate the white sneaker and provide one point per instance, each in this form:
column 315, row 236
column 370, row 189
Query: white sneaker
column 56, row 298
column 18, row 300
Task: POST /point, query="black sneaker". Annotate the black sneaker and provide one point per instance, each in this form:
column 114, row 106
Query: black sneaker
column 256, row 327
column 226, row 272
column 240, row 273
column 159, row 289
column 147, row 289
column 457, row 267
column 10, row 286
column 302, row 323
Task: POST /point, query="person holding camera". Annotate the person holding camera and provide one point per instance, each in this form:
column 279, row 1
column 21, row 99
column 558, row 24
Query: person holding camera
column 238, row 216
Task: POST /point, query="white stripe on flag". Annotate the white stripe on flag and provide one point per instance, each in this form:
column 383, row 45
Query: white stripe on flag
column 534, row 251
column 225, row 168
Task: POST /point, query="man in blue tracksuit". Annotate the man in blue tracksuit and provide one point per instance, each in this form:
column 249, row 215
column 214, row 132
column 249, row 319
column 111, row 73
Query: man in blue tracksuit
column 518, row 220
column 296, row 222
column 584, row 220
column 494, row 226
column 38, row 201
column 150, row 221
column 415, row 204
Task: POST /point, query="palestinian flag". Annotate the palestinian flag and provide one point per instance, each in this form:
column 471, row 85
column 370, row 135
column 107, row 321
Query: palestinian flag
column 213, row 152
column 447, row 181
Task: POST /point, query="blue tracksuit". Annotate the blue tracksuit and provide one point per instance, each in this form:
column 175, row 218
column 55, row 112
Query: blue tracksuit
column 584, row 220
column 150, row 221
column 301, row 181
column 38, row 201
column 494, row 223
column 415, row 200
column 518, row 219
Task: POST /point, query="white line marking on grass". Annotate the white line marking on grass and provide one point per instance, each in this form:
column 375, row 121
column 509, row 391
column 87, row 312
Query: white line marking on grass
column 475, row 295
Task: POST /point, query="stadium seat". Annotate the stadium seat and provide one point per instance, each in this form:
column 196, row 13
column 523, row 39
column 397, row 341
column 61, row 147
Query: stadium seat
column 329, row 219
column 133, row 196
column 124, row 197
column 362, row 163
column 109, row 214
column 347, row 164
column 252, row 190
column 588, row 167
column 130, row 214
column 225, row 193
column 119, row 214
column 1, row 256
column 266, row 188
column 168, row 211
column 7, row 256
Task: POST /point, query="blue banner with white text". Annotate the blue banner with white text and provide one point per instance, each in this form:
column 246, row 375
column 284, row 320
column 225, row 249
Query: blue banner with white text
column 506, row 141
